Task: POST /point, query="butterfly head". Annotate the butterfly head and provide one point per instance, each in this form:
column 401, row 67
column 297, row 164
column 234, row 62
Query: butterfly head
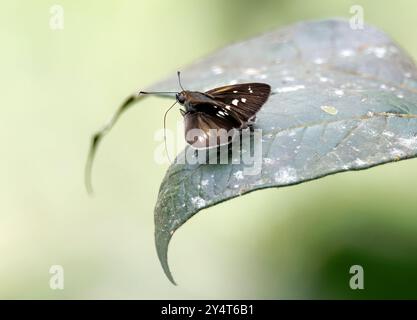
column 181, row 97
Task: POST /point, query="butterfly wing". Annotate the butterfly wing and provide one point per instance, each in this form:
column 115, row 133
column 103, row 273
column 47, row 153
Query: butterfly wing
column 245, row 99
column 208, row 130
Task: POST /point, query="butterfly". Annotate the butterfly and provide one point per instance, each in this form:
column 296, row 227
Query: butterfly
column 208, row 116
column 225, row 109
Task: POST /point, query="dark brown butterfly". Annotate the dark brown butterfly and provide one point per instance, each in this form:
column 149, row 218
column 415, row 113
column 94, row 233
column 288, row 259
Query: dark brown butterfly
column 207, row 115
column 224, row 109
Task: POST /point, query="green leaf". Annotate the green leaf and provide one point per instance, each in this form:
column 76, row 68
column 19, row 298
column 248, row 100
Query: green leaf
column 342, row 100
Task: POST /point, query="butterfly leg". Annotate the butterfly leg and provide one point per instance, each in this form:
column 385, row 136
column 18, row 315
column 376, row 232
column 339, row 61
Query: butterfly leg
column 251, row 121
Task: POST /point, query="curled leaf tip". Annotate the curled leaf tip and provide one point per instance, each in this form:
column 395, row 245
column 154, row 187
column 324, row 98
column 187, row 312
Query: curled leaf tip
column 162, row 241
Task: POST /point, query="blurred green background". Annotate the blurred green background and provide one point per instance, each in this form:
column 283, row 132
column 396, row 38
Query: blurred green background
column 60, row 86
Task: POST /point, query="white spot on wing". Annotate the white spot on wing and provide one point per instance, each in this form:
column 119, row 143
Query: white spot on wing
column 243, row 100
column 228, row 107
column 235, row 102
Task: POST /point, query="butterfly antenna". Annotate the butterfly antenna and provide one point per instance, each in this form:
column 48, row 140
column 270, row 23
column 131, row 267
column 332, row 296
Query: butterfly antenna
column 179, row 80
column 156, row 92
column 165, row 130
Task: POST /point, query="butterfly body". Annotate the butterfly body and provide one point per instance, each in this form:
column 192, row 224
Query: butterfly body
column 192, row 99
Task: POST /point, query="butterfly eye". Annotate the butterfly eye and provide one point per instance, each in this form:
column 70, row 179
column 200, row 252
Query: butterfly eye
column 180, row 98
